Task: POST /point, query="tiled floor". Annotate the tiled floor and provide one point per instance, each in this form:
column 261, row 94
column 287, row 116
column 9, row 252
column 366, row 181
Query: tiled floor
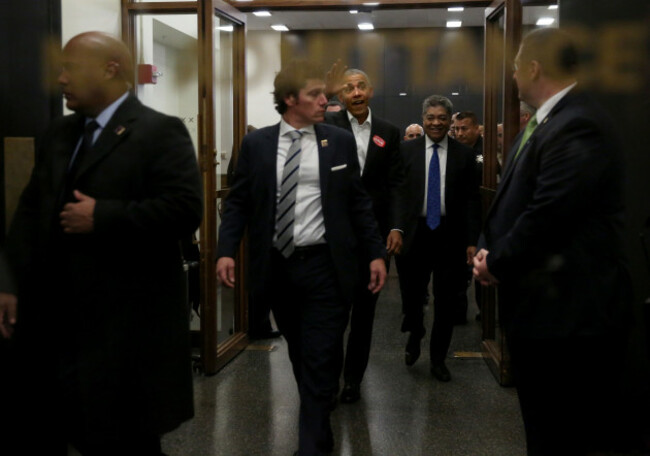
column 250, row 407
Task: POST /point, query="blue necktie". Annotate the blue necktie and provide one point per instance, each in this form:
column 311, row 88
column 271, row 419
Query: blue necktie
column 286, row 208
column 433, row 191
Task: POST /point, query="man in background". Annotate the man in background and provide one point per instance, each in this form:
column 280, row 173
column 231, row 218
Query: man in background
column 413, row 131
column 382, row 175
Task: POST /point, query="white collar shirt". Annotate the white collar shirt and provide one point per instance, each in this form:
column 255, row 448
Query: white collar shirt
column 362, row 136
column 443, row 147
column 309, row 224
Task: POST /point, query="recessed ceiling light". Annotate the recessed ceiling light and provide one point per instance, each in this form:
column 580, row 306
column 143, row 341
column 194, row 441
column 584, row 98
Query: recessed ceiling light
column 545, row 21
column 280, row 28
column 354, row 11
column 552, row 7
column 371, row 3
column 262, row 13
column 456, row 8
column 403, row 94
column 455, row 93
column 454, row 24
column 366, row 26
column 226, row 28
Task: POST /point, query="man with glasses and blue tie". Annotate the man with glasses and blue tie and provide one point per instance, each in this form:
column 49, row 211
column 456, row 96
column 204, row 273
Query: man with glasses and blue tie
column 441, row 228
column 297, row 190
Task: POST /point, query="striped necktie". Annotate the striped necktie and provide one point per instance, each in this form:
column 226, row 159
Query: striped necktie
column 285, row 211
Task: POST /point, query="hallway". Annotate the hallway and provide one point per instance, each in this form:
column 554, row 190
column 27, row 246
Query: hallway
column 250, row 408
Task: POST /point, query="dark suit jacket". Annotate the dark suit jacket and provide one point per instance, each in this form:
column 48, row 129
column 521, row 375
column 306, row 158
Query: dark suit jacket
column 350, row 227
column 554, row 231
column 122, row 309
column 461, row 191
column 383, row 171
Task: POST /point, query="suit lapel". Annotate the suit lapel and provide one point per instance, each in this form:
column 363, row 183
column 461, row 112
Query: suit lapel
column 64, row 147
column 324, row 160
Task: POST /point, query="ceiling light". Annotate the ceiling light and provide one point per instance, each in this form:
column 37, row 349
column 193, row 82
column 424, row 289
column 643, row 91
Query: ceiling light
column 552, row 7
column 280, row 28
column 454, row 24
column 455, row 93
column 371, row 3
column 226, row 28
column 545, row 21
column 456, row 9
column 366, row 26
column 403, row 94
column 354, row 11
column 262, row 13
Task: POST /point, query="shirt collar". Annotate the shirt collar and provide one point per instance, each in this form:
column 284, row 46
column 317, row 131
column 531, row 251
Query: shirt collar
column 105, row 116
column 354, row 119
column 444, row 143
column 549, row 104
column 285, row 127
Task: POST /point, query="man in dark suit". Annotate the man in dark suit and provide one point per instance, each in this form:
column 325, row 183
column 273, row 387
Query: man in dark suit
column 382, row 175
column 553, row 242
column 298, row 191
column 102, row 326
column 442, row 211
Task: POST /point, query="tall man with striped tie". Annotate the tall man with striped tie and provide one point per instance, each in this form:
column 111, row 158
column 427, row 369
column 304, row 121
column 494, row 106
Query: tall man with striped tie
column 297, row 189
column 441, row 229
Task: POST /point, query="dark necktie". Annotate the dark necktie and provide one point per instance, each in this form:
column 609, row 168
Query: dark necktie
column 77, row 159
column 433, row 191
column 285, row 212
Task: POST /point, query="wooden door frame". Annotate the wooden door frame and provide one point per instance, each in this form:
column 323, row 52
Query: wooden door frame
column 216, row 355
column 213, row 355
column 498, row 79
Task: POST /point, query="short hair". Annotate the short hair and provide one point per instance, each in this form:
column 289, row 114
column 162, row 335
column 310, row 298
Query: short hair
column 351, row 71
column 334, row 102
column 437, row 100
column 468, row 115
column 554, row 49
column 291, row 78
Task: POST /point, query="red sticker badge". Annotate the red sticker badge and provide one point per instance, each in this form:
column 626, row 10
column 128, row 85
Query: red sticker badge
column 379, row 141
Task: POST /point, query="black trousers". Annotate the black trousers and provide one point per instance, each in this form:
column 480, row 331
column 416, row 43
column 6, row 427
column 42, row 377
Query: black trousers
column 362, row 317
column 434, row 252
column 312, row 315
column 568, row 390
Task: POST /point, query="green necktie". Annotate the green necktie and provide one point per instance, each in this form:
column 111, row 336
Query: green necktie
column 530, row 127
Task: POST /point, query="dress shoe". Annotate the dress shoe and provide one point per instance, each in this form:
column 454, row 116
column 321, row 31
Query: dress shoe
column 441, row 372
column 412, row 350
column 351, row 393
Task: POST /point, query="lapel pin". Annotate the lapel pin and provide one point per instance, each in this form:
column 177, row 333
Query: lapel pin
column 545, row 120
column 119, row 130
column 323, row 142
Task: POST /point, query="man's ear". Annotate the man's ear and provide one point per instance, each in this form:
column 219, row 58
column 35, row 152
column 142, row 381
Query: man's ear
column 112, row 70
column 535, row 70
column 290, row 100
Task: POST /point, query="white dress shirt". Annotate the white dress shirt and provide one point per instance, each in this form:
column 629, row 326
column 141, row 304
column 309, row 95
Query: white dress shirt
column 549, row 104
column 443, row 147
column 309, row 224
column 362, row 136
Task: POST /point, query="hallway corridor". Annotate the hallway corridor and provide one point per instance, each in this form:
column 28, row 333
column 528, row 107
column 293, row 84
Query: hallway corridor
column 250, row 408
